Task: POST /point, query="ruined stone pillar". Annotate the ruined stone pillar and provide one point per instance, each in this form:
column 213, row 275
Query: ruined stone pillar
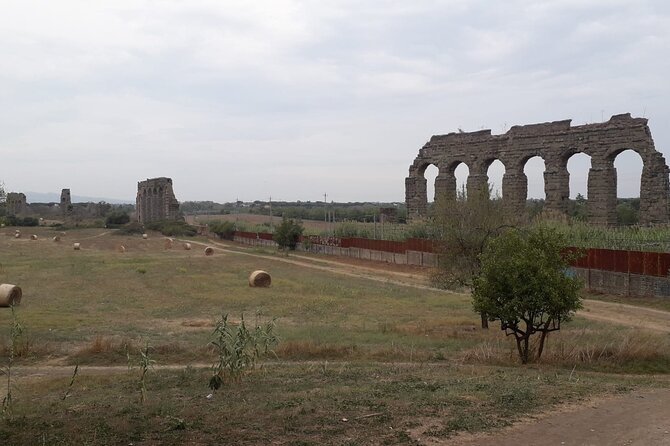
column 478, row 180
column 654, row 190
column 415, row 197
column 445, row 186
column 515, row 191
column 556, row 185
column 602, row 183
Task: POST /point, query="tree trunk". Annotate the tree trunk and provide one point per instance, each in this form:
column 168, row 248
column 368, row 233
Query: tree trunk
column 485, row 320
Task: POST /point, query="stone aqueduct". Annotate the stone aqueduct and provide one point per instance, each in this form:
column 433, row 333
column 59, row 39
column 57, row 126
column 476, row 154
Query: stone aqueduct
column 555, row 142
column 156, row 201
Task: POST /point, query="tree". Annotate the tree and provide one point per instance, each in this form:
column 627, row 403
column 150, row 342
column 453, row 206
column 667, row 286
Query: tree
column 224, row 229
column 462, row 229
column 287, row 234
column 523, row 284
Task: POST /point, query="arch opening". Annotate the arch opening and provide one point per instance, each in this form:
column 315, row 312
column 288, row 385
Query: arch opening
column 462, row 172
column 578, row 167
column 495, row 174
column 430, row 174
column 628, row 165
column 534, row 170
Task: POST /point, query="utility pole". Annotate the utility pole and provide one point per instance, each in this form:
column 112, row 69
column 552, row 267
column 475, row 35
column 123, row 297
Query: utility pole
column 270, row 211
column 325, row 210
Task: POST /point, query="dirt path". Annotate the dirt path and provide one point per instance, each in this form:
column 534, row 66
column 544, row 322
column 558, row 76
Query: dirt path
column 628, row 315
column 638, row 418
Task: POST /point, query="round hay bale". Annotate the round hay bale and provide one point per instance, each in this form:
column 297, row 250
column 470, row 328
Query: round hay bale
column 17, row 235
column 122, row 249
column 187, row 246
column 209, row 251
column 10, row 295
column 145, row 236
column 76, row 246
column 56, row 238
column 168, row 243
column 260, row 279
column 33, row 237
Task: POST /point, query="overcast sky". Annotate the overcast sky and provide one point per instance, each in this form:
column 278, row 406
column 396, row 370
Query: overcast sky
column 296, row 98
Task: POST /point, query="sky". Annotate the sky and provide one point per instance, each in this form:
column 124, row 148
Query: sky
column 293, row 99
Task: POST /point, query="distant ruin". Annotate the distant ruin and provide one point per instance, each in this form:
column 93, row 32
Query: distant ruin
column 156, row 201
column 66, row 202
column 16, row 203
column 555, row 142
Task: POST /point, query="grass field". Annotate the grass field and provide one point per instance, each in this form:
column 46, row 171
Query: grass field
column 396, row 362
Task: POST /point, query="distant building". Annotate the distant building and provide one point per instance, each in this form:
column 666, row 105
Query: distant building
column 156, row 200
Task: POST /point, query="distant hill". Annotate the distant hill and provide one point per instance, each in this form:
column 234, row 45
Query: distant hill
column 50, row 197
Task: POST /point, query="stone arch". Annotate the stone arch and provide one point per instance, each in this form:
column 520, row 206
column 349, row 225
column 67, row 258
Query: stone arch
column 534, row 168
column 430, row 174
column 495, row 174
column 555, row 142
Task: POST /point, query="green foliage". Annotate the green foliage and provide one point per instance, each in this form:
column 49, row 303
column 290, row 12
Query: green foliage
column 523, row 284
column 287, row 234
column 224, row 229
column 133, row 228
column 462, row 228
column 145, row 364
column 15, row 333
column 172, row 228
column 117, row 218
column 626, row 213
column 13, row 220
column 238, row 348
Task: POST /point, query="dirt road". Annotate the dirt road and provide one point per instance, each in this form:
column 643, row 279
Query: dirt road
column 638, row 418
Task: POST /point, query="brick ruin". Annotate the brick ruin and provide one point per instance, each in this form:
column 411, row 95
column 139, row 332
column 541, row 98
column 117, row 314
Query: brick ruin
column 156, row 200
column 555, row 142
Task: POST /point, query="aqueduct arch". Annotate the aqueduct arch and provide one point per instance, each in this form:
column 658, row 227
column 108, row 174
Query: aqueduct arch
column 555, row 142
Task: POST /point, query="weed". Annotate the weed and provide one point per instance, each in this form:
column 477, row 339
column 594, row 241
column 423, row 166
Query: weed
column 145, row 363
column 16, row 331
column 69, row 387
column 238, row 348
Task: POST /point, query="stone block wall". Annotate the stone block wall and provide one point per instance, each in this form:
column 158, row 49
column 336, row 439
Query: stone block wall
column 156, row 201
column 555, row 142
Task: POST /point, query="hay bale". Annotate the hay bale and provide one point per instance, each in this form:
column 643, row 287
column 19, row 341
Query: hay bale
column 56, row 238
column 17, row 234
column 145, row 236
column 10, row 295
column 121, row 249
column 76, row 246
column 187, row 246
column 168, row 243
column 260, row 279
column 33, row 237
column 209, row 251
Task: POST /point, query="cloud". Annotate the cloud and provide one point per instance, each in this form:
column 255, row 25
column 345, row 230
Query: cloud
column 338, row 95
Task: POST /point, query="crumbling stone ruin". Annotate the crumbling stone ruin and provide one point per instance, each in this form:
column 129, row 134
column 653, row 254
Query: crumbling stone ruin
column 555, row 142
column 66, row 202
column 16, row 203
column 156, row 200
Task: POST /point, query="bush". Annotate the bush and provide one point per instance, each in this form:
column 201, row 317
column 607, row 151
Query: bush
column 12, row 220
column 117, row 219
column 131, row 229
column 224, row 229
column 287, row 234
column 172, row 228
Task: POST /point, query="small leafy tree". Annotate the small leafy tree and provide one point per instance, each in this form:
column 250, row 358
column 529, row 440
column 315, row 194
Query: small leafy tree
column 462, row 228
column 523, row 284
column 287, row 234
column 224, row 229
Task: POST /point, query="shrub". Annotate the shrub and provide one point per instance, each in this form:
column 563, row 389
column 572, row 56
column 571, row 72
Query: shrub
column 172, row 228
column 117, row 219
column 224, row 229
column 287, row 234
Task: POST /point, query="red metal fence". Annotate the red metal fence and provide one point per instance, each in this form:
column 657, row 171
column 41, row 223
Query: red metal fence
column 633, row 262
